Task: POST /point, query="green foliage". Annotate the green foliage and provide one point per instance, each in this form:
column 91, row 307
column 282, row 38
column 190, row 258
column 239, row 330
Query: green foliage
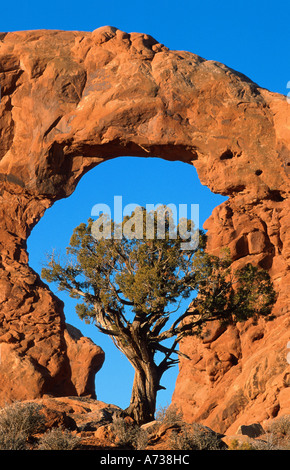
column 131, row 287
column 233, row 296
column 147, row 277
column 118, row 279
column 236, row 445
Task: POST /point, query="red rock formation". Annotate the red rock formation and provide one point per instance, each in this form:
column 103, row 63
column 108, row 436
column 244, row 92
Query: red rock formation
column 73, row 99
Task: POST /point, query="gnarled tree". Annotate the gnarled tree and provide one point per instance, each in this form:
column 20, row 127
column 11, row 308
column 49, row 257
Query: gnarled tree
column 131, row 288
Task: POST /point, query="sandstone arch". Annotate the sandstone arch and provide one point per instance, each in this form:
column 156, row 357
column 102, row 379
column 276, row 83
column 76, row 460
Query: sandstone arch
column 72, row 99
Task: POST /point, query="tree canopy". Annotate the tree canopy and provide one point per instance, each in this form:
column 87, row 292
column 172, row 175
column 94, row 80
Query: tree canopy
column 132, row 288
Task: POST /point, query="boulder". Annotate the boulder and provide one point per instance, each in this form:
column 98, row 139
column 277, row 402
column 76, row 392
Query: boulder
column 251, row 430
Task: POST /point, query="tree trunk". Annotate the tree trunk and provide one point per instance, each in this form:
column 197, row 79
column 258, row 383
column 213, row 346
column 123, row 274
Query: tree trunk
column 143, row 400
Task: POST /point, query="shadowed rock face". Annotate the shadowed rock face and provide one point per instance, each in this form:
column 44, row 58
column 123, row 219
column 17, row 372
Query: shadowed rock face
column 71, row 100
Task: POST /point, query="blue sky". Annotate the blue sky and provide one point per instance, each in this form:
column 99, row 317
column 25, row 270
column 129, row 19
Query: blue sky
column 250, row 36
column 138, row 181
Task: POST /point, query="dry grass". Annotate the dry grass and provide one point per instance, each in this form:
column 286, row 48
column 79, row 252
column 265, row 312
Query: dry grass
column 59, row 439
column 129, row 434
column 18, row 422
column 196, row 437
column 169, row 415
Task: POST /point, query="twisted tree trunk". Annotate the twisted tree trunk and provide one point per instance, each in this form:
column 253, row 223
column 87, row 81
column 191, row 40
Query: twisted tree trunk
column 143, row 399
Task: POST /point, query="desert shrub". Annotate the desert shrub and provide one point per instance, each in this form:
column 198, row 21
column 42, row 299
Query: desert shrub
column 169, row 415
column 236, row 445
column 141, row 439
column 17, row 423
column 272, row 441
column 58, row 439
column 13, row 441
column 183, row 440
column 129, row 434
column 186, row 436
column 277, row 436
column 196, row 437
column 281, row 426
column 269, row 442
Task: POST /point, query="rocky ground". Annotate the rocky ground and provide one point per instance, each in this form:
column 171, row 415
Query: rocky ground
column 81, row 423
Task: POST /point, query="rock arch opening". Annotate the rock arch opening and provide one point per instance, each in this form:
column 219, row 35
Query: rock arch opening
column 139, row 181
column 69, row 100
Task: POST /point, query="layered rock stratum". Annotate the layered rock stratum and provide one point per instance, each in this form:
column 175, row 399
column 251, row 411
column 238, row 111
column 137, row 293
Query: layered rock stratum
column 70, row 100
